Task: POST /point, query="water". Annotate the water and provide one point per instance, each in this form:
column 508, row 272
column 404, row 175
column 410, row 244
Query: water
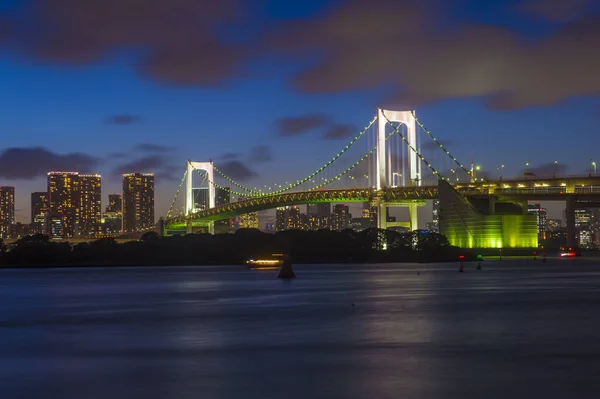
column 518, row 329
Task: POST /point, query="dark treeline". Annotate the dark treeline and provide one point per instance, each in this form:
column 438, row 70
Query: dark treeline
column 323, row 246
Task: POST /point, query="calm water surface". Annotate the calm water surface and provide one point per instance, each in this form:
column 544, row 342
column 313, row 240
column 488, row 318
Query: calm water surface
column 518, row 329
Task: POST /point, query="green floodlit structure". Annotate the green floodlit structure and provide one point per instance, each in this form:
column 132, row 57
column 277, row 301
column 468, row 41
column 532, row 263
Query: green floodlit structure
column 486, row 222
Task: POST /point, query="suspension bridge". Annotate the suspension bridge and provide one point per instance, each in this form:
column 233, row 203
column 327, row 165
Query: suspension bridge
column 388, row 170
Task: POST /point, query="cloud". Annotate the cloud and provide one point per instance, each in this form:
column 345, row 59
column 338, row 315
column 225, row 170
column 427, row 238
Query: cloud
column 116, row 155
column 260, row 154
column 337, row 132
column 237, row 170
column 425, row 54
column 430, row 145
column 178, row 41
column 554, row 10
column 123, row 119
column 549, row 169
column 296, row 126
column 228, row 156
column 148, row 147
column 157, row 164
column 147, row 164
column 34, row 162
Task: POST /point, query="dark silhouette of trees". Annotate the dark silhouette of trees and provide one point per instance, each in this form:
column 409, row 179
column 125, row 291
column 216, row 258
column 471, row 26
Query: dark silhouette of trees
column 322, row 246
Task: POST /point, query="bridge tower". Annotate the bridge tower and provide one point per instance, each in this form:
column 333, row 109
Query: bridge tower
column 189, row 197
column 407, row 118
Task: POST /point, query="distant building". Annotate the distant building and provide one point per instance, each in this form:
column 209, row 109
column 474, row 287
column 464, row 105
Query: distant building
column 20, row 230
column 436, row 216
column 340, row 217
column 90, row 224
column 138, row 201
column 7, row 210
column 64, row 199
column 369, row 214
column 113, row 215
column 56, row 227
column 280, row 219
column 554, row 224
column 542, row 220
column 321, row 209
column 292, row 218
column 249, row 220
column 40, row 209
column 583, row 218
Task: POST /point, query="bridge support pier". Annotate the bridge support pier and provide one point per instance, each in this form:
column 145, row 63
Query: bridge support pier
column 413, row 217
column 211, row 228
column 189, row 228
column 381, row 214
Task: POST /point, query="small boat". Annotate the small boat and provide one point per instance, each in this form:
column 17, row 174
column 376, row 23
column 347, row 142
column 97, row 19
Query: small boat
column 272, row 262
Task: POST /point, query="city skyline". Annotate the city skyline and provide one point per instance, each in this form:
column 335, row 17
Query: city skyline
column 271, row 87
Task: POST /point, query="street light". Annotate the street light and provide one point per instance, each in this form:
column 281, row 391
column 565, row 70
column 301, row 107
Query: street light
column 500, row 171
column 555, row 167
column 592, row 165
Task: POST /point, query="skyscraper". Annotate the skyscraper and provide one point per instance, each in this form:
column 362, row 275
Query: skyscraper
column 249, row 220
column 91, row 205
column 113, row 215
column 138, row 201
column 64, row 199
column 340, row 218
column 7, row 210
column 39, row 213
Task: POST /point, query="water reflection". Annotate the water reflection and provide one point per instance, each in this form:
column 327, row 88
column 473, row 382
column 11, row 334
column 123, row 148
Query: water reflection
column 336, row 331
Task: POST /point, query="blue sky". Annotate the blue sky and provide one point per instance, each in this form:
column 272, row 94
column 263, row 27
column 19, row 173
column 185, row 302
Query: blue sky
column 502, row 82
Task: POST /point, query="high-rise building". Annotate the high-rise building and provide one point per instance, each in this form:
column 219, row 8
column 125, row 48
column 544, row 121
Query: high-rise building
column 249, row 220
column 64, row 199
column 340, row 217
column 90, row 224
column 292, row 217
column 583, row 218
column 436, row 216
column 39, row 213
column 7, row 210
column 113, row 215
column 542, row 220
column 138, row 201
column 369, row 213
column 554, row 224
column 280, row 219
column 320, row 209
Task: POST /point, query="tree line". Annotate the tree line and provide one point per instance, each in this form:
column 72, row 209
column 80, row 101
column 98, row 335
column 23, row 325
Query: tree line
column 322, row 246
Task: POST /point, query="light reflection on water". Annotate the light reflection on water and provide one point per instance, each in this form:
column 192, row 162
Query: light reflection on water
column 517, row 329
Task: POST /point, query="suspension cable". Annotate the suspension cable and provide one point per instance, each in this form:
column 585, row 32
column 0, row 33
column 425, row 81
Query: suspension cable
column 439, row 144
column 176, row 195
column 304, row 180
column 350, row 168
column 435, row 172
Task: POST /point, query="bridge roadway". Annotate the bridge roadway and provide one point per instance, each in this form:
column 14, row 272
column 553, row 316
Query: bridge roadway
column 580, row 188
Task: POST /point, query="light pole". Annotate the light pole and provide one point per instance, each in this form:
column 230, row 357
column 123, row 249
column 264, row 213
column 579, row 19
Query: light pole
column 555, row 168
column 526, row 167
column 500, row 170
column 592, row 166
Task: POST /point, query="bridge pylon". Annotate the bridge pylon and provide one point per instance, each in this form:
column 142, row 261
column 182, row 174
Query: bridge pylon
column 190, row 204
column 383, row 174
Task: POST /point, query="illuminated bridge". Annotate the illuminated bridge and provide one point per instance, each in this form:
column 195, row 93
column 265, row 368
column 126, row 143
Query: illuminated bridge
column 388, row 173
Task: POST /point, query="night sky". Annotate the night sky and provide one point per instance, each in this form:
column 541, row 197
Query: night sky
column 271, row 89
